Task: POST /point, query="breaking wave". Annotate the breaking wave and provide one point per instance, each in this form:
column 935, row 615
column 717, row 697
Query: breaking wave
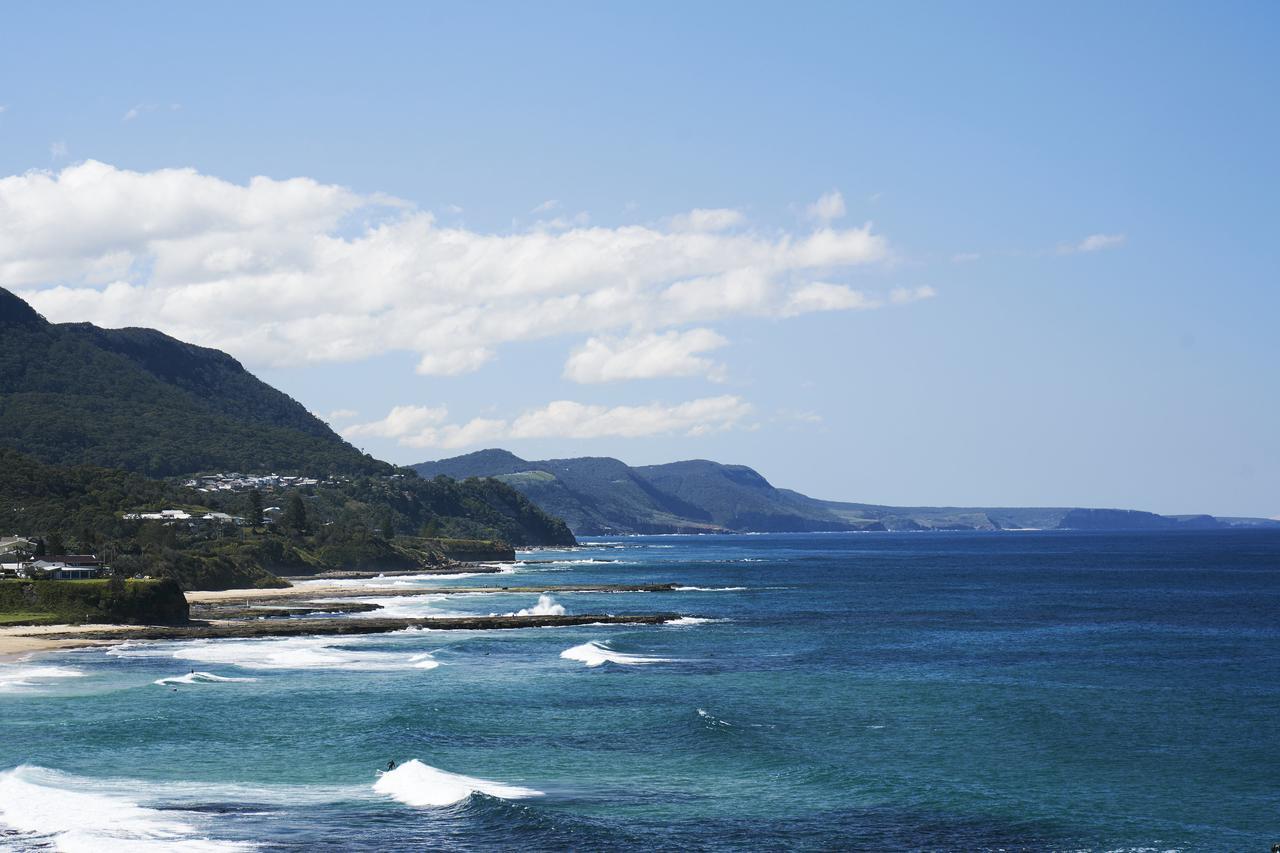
column 684, row 621
column 416, row 784
column 74, row 814
column 278, row 653
column 595, row 654
column 21, row 676
column 194, row 677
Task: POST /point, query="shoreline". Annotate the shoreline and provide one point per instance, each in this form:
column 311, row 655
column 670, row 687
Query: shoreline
column 18, row 642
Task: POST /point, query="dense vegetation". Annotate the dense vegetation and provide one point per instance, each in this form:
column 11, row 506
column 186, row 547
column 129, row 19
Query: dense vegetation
column 138, row 399
column 603, row 495
column 111, row 600
column 95, row 423
column 380, row 523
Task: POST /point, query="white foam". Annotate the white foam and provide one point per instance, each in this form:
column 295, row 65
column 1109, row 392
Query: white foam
column 546, row 606
column 277, row 653
column 595, row 654
column 692, row 620
column 416, row 784
column 194, row 677
column 74, row 815
column 20, row 676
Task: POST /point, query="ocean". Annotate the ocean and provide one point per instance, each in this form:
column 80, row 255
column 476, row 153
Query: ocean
column 931, row 691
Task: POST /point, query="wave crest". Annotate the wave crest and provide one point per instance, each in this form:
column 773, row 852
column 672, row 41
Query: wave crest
column 594, row 654
column 416, row 784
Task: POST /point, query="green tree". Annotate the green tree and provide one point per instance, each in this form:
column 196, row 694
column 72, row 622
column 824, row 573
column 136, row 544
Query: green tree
column 53, row 545
column 294, row 519
column 388, row 529
column 255, row 508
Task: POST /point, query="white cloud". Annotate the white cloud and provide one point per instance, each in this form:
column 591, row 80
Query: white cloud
column 830, row 206
column 418, row 426
column 821, row 296
column 399, row 422
column 648, row 356
column 702, row 219
column 549, row 204
column 340, row 415
column 283, row 272
column 1095, row 243
column 454, row 362
column 132, row 113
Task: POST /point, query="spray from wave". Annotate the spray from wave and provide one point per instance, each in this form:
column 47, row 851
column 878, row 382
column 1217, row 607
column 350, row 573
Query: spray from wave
column 546, row 606
column 595, row 654
column 416, row 784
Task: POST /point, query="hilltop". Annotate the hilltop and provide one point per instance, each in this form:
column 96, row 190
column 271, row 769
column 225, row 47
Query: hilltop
column 100, row 426
column 137, row 399
column 601, row 495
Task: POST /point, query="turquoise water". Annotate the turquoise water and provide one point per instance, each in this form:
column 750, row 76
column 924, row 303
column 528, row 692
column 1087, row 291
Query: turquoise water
column 963, row 691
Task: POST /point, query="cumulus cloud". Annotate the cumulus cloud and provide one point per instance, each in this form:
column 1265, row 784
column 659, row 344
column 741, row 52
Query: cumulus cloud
column 648, row 356
column 340, row 415
column 1095, row 243
column 286, row 272
column 420, row 426
column 399, row 422
column 830, row 206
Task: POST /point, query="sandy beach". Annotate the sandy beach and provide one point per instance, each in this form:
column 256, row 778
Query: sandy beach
column 17, row 641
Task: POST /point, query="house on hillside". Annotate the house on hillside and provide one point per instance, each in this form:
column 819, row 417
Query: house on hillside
column 62, row 567
column 16, row 545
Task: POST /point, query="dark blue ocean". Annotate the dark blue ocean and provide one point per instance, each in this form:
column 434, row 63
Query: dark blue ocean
column 966, row 691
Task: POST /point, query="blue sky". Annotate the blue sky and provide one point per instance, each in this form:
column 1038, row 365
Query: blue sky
column 943, row 254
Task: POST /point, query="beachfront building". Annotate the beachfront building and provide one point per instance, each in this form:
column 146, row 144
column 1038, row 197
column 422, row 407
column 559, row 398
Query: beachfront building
column 62, row 567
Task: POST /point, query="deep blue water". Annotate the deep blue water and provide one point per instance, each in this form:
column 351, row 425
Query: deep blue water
column 1040, row 691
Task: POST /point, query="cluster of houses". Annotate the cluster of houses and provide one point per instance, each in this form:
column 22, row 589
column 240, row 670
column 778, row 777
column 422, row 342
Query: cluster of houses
column 16, row 561
column 234, row 482
column 174, row 516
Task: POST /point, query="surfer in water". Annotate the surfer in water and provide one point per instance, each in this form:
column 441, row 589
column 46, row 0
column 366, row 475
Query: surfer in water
column 391, row 765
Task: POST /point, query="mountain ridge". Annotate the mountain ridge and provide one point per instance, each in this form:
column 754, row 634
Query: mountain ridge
column 133, row 398
column 602, row 495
